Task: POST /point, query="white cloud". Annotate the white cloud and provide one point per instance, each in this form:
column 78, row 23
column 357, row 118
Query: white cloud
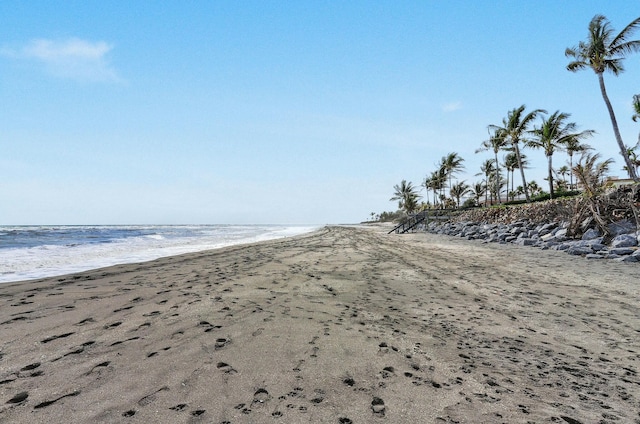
column 452, row 106
column 70, row 58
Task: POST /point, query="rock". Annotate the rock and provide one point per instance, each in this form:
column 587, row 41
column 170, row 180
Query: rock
column 621, row 251
column 590, row 234
column 629, row 258
column 594, row 256
column 561, row 233
column 545, row 227
column 624, row 240
column 621, row 227
column 525, row 242
column 579, row 250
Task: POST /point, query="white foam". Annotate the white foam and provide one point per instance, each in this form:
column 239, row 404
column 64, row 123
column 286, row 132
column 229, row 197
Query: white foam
column 19, row 264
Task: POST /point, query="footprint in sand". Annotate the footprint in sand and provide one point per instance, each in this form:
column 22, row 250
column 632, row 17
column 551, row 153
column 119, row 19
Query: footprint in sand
column 226, row 368
column 261, row 396
column 377, row 405
column 19, row 398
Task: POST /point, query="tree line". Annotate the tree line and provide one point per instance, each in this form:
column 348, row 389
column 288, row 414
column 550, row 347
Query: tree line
column 602, row 51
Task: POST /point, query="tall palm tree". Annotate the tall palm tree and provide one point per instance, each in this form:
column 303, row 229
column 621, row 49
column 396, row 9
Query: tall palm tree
column 604, row 51
column 458, row 190
column 572, row 146
column 496, row 142
column 551, row 135
column 515, row 127
column 406, row 195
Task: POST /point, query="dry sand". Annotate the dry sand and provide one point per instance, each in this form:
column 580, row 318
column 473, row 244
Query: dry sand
column 345, row 325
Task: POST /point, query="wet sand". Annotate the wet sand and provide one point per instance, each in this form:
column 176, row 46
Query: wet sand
column 345, row 325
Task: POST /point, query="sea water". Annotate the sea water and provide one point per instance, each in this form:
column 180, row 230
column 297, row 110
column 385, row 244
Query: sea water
column 30, row 252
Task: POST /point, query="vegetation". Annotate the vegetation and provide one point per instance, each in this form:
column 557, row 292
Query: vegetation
column 514, row 129
column 407, row 196
column 553, row 134
column 591, row 174
column 603, row 51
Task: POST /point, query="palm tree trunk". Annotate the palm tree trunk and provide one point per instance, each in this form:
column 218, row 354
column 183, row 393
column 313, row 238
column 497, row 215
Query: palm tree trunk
column 507, row 184
column 498, row 180
column 512, row 178
column 524, row 181
column 571, row 172
column 550, row 177
column 486, row 192
column 616, row 131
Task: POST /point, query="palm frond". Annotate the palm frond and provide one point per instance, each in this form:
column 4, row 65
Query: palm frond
column 620, row 41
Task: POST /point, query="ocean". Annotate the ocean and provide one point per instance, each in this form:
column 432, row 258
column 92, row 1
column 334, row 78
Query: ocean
column 31, row 252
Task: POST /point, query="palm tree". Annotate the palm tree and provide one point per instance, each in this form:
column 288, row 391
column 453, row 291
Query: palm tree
column 458, row 190
column 511, row 164
column 487, row 168
column 591, row 175
column 572, row 146
column 406, row 195
column 495, row 184
column 604, row 52
column 534, row 188
column 477, row 191
column 496, row 142
column 551, row 135
column 435, row 182
column 431, row 183
column 633, row 157
column 452, row 164
column 563, row 171
column 514, row 128
column 636, row 107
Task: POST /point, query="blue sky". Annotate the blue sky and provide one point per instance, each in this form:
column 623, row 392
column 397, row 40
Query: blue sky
column 302, row 112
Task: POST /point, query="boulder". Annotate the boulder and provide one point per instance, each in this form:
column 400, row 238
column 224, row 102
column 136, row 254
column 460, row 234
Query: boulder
column 590, row 234
column 621, row 227
column 624, row 240
column 621, row 251
column 522, row 241
column 628, row 258
column 579, row 250
column 594, row 256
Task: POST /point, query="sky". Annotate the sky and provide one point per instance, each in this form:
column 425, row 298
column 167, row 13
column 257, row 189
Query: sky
column 257, row 112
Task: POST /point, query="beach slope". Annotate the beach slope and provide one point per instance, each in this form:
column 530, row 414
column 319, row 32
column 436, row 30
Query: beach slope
column 343, row 325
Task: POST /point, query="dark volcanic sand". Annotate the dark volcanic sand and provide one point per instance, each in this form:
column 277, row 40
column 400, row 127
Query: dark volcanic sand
column 346, row 325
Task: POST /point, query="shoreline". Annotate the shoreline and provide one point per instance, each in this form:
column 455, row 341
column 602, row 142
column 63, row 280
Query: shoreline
column 150, row 253
column 343, row 324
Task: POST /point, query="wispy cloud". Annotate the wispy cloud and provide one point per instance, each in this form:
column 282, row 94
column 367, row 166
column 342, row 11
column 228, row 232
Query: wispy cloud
column 72, row 58
column 452, row 107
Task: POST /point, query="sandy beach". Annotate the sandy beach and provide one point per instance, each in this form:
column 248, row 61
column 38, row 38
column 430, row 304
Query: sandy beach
column 343, row 325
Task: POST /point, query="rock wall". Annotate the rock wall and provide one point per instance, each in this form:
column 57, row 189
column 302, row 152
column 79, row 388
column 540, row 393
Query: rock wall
column 543, row 225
